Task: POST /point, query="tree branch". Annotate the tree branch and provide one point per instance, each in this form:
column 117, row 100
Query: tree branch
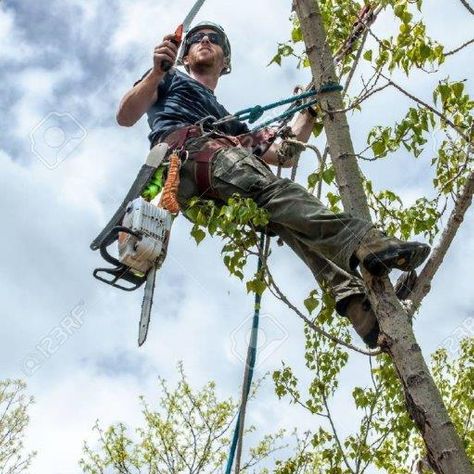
column 469, row 8
column 423, row 284
column 280, row 295
column 355, row 64
column 429, row 107
column 454, row 51
column 336, row 436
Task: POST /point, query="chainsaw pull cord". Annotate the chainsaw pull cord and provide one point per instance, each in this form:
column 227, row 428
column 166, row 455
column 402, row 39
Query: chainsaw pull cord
column 169, row 200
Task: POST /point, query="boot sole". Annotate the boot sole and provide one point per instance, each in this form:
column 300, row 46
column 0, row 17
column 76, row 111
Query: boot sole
column 371, row 339
column 405, row 258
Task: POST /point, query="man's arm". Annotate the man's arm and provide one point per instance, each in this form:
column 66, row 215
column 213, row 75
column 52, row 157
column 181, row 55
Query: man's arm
column 302, row 126
column 143, row 95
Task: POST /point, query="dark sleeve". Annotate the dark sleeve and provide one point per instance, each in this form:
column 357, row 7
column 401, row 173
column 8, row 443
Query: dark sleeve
column 241, row 128
column 162, row 87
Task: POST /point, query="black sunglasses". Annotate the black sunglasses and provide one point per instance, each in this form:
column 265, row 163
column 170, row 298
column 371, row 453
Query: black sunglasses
column 214, row 38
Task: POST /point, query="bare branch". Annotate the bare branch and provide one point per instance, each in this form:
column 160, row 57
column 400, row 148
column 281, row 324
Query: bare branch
column 463, row 202
column 468, row 7
column 275, row 290
column 355, row 64
column 454, row 51
column 336, row 436
column 361, row 99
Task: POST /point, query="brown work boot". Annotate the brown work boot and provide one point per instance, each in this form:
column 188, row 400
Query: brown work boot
column 363, row 319
column 379, row 253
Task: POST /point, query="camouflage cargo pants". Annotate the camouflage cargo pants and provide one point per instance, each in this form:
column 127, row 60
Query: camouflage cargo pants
column 323, row 240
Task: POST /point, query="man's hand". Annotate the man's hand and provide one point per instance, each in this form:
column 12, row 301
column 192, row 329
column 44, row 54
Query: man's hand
column 165, row 51
column 302, row 126
column 145, row 93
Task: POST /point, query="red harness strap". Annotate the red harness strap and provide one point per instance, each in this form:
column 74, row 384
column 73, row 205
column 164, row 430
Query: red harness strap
column 203, row 157
column 178, row 138
column 258, row 142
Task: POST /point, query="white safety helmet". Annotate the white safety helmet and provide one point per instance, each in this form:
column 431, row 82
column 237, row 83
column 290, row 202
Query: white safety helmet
column 218, row 29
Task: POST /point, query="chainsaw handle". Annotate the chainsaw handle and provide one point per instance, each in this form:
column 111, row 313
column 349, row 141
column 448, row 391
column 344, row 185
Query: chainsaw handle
column 120, row 272
column 113, row 275
column 110, row 239
column 178, row 36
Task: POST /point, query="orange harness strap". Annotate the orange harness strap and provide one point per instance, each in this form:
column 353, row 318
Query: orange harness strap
column 169, row 200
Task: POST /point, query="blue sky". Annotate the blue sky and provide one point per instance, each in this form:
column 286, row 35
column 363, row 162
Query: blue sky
column 65, row 165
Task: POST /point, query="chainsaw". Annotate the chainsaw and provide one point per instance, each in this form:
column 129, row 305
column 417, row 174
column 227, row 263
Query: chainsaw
column 140, row 228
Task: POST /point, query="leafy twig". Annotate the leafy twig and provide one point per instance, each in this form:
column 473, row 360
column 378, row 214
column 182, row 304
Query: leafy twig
column 429, row 107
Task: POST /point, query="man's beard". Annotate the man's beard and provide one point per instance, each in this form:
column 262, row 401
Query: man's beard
column 201, row 64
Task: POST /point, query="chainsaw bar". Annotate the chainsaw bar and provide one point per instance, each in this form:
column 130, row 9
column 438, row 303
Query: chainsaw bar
column 147, row 303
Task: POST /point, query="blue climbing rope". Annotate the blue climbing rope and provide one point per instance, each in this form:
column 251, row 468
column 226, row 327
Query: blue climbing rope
column 252, row 114
column 250, row 364
column 287, row 114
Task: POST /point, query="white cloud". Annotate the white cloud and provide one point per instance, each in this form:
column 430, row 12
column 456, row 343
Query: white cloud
column 14, row 46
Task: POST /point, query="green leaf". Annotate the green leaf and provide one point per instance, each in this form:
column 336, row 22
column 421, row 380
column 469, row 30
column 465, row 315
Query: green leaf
column 328, row 175
column 318, row 128
column 425, row 52
column 379, row 148
column 296, row 35
column 198, row 234
column 311, row 303
column 458, row 88
column 257, row 286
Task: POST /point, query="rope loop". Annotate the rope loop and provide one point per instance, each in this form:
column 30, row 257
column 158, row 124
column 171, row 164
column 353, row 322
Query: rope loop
column 255, row 113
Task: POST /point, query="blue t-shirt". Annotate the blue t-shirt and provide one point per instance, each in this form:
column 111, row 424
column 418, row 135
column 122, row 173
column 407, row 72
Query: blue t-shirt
column 184, row 101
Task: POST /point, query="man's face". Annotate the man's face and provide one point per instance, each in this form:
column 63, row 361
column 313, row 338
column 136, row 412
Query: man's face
column 205, row 53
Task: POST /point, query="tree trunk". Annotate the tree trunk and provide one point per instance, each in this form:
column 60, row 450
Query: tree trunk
column 424, row 403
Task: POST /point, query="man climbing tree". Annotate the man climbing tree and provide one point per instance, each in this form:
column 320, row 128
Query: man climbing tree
column 220, row 160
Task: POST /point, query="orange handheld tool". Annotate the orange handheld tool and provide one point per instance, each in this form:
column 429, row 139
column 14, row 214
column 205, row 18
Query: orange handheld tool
column 183, row 29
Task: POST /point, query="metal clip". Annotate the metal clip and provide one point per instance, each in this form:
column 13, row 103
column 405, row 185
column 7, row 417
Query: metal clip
column 205, row 121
